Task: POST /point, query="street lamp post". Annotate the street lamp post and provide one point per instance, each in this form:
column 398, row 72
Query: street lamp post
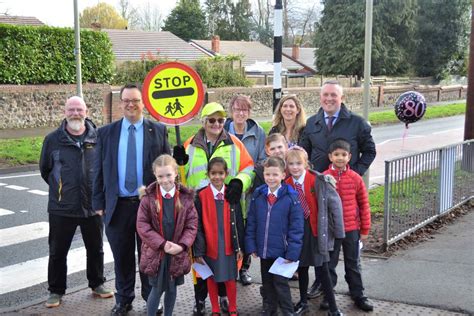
column 367, row 61
column 77, row 50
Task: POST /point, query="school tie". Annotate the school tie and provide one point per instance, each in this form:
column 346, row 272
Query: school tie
column 304, row 203
column 167, row 196
column 220, row 196
column 330, row 121
column 131, row 166
column 271, row 198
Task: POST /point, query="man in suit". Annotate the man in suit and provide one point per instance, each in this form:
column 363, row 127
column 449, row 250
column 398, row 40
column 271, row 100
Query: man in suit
column 125, row 152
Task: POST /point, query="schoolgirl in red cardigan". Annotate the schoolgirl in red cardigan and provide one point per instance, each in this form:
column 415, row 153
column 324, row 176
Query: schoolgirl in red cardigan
column 321, row 205
column 220, row 235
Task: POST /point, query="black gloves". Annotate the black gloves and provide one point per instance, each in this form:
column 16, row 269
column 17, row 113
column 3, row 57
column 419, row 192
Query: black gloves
column 233, row 191
column 180, row 155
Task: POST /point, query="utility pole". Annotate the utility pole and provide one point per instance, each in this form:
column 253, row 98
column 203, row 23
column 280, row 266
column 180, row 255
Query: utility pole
column 367, row 62
column 469, row 119
column 277, row 49
column 77, row 50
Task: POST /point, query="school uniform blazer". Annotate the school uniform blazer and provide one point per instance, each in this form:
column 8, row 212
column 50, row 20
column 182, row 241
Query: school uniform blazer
column 106, row 183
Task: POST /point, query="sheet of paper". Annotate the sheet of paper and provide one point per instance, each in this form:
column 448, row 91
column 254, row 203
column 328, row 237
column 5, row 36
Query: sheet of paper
column 203, row 270
column 284, row 269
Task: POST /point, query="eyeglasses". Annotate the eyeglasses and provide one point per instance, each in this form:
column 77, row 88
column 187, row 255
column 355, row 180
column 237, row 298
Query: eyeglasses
column 238, row 110
column 133, row 101
column 213, row 120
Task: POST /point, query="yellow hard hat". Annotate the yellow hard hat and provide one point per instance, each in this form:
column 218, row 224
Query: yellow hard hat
column 212, row 108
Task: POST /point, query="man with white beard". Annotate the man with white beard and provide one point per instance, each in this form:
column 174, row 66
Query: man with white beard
column 67, row 166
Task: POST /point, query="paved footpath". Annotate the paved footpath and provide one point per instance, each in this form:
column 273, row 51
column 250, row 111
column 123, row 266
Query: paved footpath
column 81, row 302
column 435, row 277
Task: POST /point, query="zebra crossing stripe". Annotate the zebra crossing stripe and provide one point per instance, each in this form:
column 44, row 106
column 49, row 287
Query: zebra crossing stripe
column 38, row 192
column 29, row 273
column 16, row 187
column 5, row 212
column 18, row 234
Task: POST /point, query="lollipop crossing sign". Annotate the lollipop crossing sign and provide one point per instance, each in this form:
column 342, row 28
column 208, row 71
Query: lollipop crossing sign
column 173, row 93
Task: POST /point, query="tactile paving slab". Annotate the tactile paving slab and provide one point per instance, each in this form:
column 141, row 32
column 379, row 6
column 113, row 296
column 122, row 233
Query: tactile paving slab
column 82, row 302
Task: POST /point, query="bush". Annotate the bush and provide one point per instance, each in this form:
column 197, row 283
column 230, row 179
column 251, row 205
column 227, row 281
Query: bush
column 38, row 55
column 136, row 71
column 218, row 72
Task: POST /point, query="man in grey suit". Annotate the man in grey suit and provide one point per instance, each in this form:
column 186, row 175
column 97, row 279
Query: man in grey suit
column 125, row 152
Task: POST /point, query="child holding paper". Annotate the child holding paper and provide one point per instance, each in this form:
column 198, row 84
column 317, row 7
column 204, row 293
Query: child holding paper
column 323, row 223
column 220, row 235
column 274, row 229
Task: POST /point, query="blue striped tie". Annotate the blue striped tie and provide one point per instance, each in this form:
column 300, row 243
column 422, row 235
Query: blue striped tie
column 131, row 167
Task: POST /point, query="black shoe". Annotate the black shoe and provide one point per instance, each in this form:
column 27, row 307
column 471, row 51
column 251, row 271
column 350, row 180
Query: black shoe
column 301, row 308
column 121, row 309
column 324, row 305
column 224, row 304
column 364, row 304
column 159, row 311
column 335, row 313
column 315, row 290
column 245, row 277
column 199, row 308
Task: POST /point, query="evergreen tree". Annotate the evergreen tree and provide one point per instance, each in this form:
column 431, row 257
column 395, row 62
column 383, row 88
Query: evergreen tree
column 340, row 34
column 229, row 20
column 187, row 21
column 442, row 33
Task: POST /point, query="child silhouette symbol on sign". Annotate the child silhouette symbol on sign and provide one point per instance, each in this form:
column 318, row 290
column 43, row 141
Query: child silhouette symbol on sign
column 169, row 109
column 177, row 107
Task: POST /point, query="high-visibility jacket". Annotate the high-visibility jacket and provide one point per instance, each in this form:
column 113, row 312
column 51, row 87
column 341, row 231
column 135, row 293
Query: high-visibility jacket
column 229, row 147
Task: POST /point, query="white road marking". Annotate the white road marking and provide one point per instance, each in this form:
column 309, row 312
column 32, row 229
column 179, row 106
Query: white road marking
column 23, row 211
column 22, row 176
column 5, row 212
column 399, row 138
column 447, row 131
column 18, row 234
column 2, row 184
column 39, row 192
column 32, row 272
column 16, row 187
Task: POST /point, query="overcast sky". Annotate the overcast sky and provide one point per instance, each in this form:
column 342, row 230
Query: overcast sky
column 61, row 12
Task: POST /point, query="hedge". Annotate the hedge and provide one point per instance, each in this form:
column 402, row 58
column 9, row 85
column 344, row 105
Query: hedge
column 39, row 55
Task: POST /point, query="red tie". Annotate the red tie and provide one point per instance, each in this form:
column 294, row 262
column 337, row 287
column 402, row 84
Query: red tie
column 271, row 198
column 220, row 196
column 304, row 203
column 167, row 196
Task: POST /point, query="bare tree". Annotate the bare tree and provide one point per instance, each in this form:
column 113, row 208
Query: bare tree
column 301, row 23
column 129, row 13
column 150, row 18
column 262, row 20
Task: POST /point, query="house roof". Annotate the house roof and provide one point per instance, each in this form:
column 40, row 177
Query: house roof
column 251, row 51
column 306, row 56
column 131, row 45
column 20, row 20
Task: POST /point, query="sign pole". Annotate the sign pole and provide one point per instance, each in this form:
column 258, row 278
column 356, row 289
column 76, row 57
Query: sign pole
column 182, row 173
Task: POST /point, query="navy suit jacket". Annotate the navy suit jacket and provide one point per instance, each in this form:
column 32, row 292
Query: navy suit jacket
column 106, row 188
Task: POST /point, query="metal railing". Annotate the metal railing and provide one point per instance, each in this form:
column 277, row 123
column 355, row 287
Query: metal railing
column 423, row 186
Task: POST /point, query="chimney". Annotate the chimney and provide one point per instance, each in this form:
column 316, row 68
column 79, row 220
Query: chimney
column 295, row 52
column 215, row 44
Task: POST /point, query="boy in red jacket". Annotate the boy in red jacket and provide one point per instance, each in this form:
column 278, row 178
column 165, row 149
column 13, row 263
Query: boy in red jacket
column 356, row 212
